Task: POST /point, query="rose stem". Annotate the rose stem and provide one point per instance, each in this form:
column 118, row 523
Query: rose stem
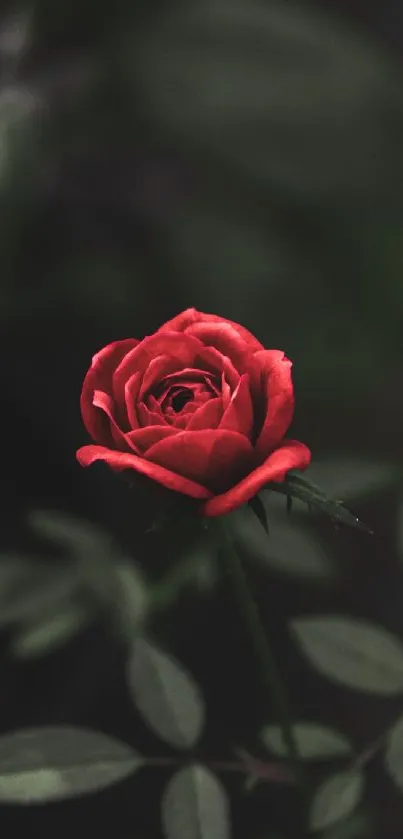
column 263, row 654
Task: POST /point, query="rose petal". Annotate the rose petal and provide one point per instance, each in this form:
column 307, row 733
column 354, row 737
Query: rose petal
column 226, row 392
column 157, row 371
column 173, row 345
column 152, row 404
column 132, row 388
column 147, row 417
column 191, row 375
column 256, row 366
column 196, row 399
column 238, row 416
column 224, row 338
column 291, row 455
column 218, row 363
column 125, row 460
column 207, row 416
column 170, row 403
column 278, row 395
column 201, row 394
column 105, row 404
column 182, row 321
column 143, row 438
column 213, row 458
column 180, row 422
column 99, row 377
column 192, row 406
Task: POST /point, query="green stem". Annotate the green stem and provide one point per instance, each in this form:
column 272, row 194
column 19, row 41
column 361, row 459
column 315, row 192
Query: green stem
column 264, row 656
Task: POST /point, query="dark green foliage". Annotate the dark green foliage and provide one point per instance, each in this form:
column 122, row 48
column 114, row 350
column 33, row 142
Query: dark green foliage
column 297, row 486
column 246, row 158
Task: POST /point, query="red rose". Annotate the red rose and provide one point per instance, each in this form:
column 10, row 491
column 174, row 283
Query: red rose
column 200, row 407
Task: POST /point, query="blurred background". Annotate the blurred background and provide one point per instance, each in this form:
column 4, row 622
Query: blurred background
column 245, row 158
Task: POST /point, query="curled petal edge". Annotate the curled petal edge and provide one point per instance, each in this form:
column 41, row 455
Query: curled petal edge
column 291, row 455
column 125, row 460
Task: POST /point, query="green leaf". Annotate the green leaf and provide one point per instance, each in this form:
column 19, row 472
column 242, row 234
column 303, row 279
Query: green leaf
column 52, row 763
column 290, row 549
column 165, row 695
column 297, row 486
column 112, row 580
column 129, row 603
column 352, row 652
column 314, row 741
column 205, row 575
column 78, row 538
column 195, row 806
column 336, row 798
column 29, row 587
column 357, row 826
column 44, row 636
column 170, row 512
column 394, row 753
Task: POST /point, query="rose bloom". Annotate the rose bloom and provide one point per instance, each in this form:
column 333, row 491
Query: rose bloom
column 200, row 406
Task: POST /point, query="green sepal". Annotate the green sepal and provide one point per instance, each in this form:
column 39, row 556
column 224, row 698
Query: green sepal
column 256, row 504
column 297, row 486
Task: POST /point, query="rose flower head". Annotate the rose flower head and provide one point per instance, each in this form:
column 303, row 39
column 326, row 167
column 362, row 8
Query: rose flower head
column 200, row 407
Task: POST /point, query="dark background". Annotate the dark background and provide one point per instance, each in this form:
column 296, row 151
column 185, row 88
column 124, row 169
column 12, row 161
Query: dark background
column 244, row 158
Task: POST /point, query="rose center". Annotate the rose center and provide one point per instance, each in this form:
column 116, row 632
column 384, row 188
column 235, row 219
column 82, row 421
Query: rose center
column 180, row 399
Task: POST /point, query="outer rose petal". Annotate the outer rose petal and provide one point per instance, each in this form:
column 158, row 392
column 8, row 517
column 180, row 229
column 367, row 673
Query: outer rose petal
column 279, row 395
column 291, row 455
column 215, row 458
column 190, row 316
column 143, row 438
column 105, row 403
column 99, row 377
column 125, row 460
